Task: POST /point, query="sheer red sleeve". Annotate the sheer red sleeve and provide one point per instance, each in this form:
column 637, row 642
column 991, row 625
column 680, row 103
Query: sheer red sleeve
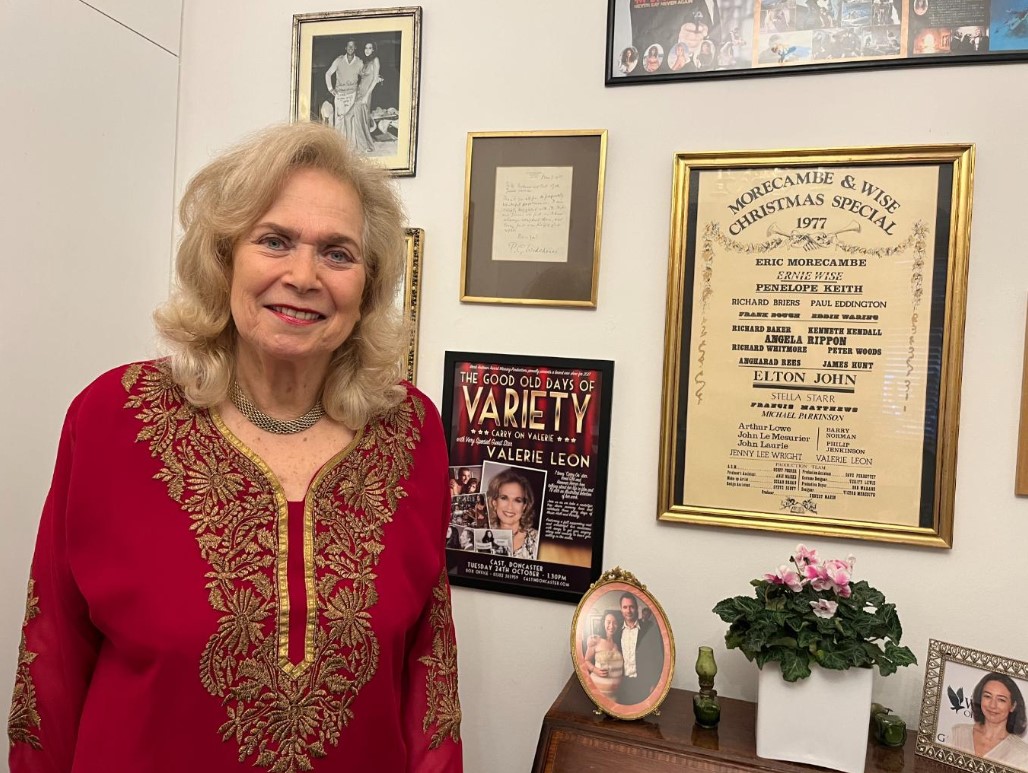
column 59, row 645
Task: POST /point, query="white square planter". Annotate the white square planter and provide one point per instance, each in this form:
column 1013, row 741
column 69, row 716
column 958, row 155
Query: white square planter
column 821, row 720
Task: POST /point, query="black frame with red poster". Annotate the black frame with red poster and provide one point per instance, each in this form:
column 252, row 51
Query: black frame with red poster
column 535, row 430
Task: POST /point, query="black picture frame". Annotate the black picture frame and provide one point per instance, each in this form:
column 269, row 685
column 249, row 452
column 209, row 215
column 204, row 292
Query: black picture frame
column 543, row 424
column 676, row 40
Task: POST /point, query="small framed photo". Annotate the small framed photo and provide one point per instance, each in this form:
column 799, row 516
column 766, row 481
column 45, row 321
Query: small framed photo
column 973, row 711
column 408, row 297
column 358, row 71
column 622, row 647
column 533, row 204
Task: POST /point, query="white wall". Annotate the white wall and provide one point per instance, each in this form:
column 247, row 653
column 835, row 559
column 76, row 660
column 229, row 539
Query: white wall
column 532, row 65
column 88, row 142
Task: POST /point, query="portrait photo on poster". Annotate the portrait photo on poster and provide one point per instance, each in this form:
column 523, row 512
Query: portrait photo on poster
column 359, row 72
column 973, row 712
column 622, row 647
column 528, row 444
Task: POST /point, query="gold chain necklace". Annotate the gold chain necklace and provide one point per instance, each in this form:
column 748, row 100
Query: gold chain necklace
column 261, row 420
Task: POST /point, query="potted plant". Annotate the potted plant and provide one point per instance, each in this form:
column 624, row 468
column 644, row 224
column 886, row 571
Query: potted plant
column 821, row 633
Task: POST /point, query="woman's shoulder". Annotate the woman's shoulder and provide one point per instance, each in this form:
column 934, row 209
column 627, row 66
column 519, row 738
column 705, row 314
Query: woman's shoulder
column 420, row 402
column 117, row 383
column 1018, row 743
column 104, row 399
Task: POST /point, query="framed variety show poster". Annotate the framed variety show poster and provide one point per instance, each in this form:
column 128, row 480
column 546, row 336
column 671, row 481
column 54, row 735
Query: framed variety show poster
column 814, row 339
column 659, row 40
column 358, row 71
column 528, row 440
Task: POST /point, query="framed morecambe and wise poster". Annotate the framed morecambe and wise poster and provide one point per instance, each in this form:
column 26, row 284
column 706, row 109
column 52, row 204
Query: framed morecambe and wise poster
column 528, row 440
column 533, row 204
column 649, row 41
column 358, row 71
column 814, row 338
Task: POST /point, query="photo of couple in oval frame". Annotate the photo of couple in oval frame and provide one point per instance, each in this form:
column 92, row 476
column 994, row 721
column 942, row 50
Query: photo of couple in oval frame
column 622, row 647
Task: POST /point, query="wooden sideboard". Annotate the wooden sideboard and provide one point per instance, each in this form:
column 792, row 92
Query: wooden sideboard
column 575, row 740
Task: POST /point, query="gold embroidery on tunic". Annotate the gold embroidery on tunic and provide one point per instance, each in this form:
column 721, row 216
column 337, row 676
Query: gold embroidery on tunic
column 281, row 717
column 24, row 716
column 441, row 681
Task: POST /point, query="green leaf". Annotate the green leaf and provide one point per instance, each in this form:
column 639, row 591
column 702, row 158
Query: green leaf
column 901, row 656
column 834, row 659
column 794, row 666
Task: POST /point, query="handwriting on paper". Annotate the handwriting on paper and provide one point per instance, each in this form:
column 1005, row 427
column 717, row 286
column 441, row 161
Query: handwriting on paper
column 532, row 214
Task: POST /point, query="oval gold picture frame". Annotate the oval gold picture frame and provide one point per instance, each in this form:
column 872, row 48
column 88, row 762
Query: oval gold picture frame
column 627, row 675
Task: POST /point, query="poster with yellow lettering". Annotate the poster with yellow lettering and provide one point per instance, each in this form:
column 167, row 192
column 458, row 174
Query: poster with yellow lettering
column 814, row 340
column 528, row 445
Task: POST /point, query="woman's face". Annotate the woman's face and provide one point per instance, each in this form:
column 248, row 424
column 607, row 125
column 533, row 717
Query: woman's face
column 610, row 625
column 298, row 275
column 997, row 703
column 369, row 50
column 510, row 505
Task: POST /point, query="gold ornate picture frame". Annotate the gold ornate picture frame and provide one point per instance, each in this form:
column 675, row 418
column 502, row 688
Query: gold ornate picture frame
column 814, row 340
column 533, row 205
column 965, row 688
column 408, row 298
column 359, row 71
column 1021, row 473
column 600, row 636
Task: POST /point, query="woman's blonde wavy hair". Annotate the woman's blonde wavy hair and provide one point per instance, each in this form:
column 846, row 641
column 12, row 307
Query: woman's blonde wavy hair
column 221, row 205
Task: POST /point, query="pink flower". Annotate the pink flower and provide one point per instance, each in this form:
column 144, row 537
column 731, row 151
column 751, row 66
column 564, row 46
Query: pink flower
column 824, row 608
column 786, row 575
column 817, row 577
column 838, row 573
column 804, row 557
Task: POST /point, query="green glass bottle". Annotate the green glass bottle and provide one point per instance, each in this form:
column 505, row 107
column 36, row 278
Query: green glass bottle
column 705, row 704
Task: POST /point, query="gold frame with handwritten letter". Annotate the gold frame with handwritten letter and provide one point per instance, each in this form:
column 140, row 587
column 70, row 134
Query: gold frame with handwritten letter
column 568, row 281
column 859, row 438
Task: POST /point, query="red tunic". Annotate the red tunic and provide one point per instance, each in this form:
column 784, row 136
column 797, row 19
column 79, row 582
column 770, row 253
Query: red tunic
column 184, row 617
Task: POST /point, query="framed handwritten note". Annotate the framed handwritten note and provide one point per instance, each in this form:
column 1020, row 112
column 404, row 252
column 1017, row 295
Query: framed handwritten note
column 533, row 203
column 813, row 341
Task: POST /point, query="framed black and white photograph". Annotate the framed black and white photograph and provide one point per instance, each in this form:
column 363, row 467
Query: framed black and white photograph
column 622, row 646
column 972, row 711
column 358, row 71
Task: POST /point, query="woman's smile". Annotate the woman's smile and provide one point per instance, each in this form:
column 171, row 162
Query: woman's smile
column 292, row 315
